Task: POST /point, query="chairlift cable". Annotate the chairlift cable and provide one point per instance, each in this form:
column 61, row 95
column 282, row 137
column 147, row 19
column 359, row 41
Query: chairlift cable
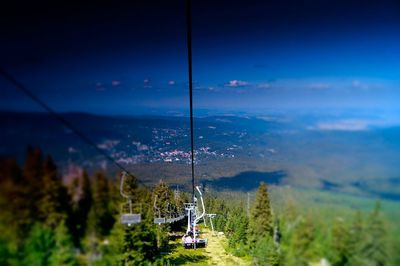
column 189, row 51
column 63, row 121
column 18, row 85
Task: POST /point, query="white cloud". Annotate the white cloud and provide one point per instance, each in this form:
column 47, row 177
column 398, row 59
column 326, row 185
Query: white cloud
column 343, row 125
column 236, row 83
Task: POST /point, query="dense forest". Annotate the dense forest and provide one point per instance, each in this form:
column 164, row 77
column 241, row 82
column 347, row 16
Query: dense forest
column 45, row 220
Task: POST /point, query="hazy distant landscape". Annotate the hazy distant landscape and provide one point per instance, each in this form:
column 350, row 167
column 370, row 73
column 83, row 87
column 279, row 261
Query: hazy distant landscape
column 200, row 133
column 345, row 151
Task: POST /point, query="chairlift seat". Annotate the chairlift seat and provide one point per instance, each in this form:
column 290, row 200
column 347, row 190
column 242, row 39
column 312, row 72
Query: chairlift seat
column 201, row 243
column 188, row 245
column 131, row 218
column 159, row 220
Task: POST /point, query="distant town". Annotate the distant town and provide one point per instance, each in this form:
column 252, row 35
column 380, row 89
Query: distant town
column 164, row 147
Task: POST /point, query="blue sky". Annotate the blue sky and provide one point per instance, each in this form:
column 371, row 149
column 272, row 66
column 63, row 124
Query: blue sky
column 246, row 55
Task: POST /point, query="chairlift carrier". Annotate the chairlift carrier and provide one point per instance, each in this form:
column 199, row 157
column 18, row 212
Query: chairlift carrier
column 130, row 217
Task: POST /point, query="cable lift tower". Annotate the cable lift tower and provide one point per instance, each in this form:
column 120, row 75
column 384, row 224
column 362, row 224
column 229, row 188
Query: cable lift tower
column 211, row 216
column 194, row 216
column 192, row 211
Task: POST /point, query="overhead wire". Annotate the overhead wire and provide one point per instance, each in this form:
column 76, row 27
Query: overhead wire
column 189, row 53
column 63, row 121
column 87, row 140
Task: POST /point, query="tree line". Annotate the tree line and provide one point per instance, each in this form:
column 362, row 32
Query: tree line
column 292, row 237
column 45, row 220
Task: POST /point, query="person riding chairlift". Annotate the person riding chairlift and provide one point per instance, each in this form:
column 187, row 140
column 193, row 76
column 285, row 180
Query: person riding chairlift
column 188, row 240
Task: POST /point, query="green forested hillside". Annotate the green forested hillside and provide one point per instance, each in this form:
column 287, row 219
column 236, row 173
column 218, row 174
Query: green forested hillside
column 48, row 221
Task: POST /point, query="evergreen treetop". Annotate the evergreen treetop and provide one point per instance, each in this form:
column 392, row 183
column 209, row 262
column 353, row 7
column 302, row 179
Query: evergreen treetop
column 261, row 221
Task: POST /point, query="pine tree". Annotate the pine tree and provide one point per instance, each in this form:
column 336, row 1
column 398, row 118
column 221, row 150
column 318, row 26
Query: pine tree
column 287, row 225
column 21, row 194
column 395, row 251
column 63, row 252
column 291, row 216
column 140, row 244
column 81, row 196
column 15, row 215
column 54, row 204
column 356, row 240
column 33, row 170
column 266, row 253
column 131, row 245
column 39, row 246
column 180, row 198
column 301, row 244
column 261, row 223
column 33, row 179
column 164, row 198
column 10, row 171
column 101, row 217
column 135, row 244
column 374, row 250
column 163, row 202
column 131, row 187
column 236, row 230
column 340, row 243
column 217, row 206
column 5, row 253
